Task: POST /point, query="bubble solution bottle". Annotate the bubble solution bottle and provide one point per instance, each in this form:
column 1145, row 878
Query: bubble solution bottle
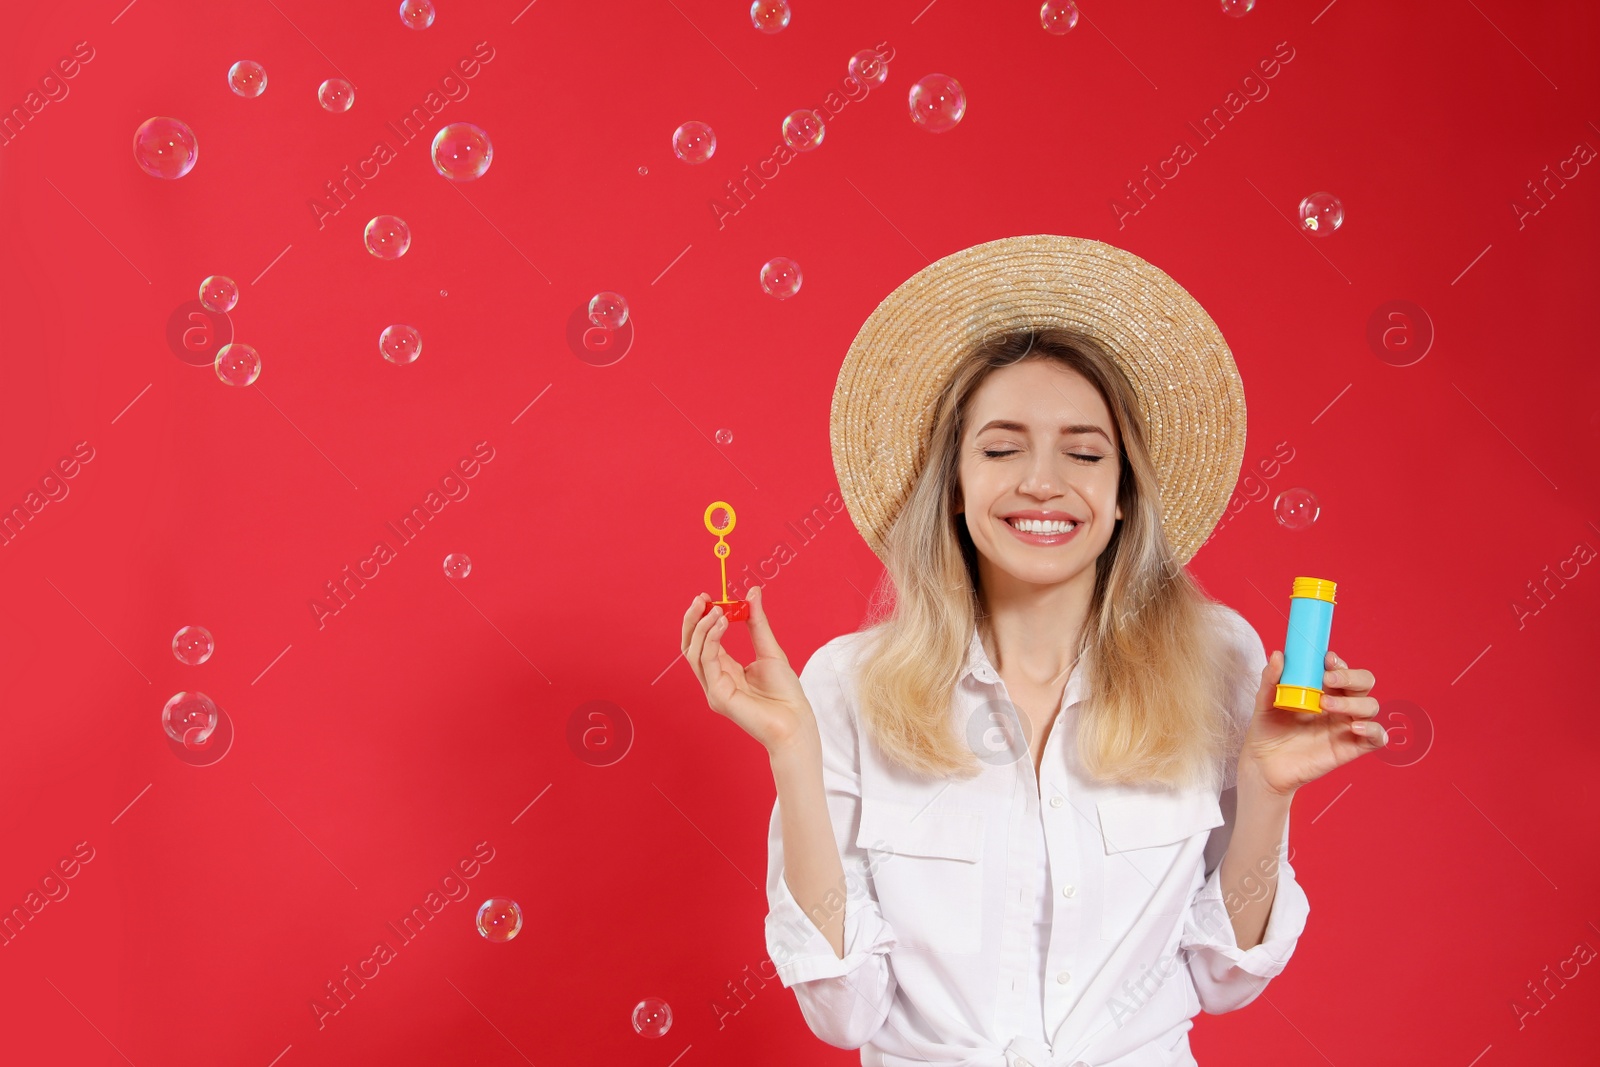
column 1305, row 648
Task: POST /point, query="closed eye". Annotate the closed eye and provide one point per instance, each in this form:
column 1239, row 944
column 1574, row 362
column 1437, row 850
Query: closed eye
column 996, row 454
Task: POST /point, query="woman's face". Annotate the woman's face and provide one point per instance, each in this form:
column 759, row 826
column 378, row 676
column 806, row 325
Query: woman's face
column 1039, row 442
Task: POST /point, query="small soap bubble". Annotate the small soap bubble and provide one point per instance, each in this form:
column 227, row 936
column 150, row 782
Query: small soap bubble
column 780, row 277
column 189, row 718
column 457, row 566
column 609, row 311
column 238, row 364
column 462, row 152
column 499, row 919
column 1058, row 16
column 416, row 14
column 1296, row 508
column 1321, row 214
column 652, row 1017
column 165, row 147
column 247, row 78
column 868, row 67
column 937, row 103
column 1237, row 8
column 724, row 437
column 193, row 645
column 336, row 95
column 219, row 293
column 400, row 343
column 803, row 130
column 387, row 236
column 769, row 16
column 643, row 171
column 694, row 142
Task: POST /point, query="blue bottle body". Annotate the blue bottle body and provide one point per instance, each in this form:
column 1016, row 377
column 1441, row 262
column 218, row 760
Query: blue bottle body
column 1305, row 647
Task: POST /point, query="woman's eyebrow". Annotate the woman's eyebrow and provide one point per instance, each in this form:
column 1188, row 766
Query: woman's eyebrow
column 1011, row 424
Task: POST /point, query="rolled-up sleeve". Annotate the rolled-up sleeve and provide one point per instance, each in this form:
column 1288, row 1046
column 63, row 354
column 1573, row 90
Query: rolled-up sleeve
column 1227, row 977
column 844, row 1001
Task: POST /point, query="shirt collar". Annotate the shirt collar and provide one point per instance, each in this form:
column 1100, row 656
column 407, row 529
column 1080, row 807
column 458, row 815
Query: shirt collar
column 979, row 666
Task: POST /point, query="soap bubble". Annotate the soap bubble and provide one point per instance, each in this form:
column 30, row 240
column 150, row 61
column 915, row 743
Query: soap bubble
column 1058, row 16
column 499, row 919
column 694, row 142
column 193, row 645
column 247, row 78
column 400, row 344
column 238, row 364
column 165, row 147
column 461, row 152
column 608, row 310
column 457, row 566
column 803, row 130
column 652, row 1017
column 869, row 68
column 1296, row 509
column 1237, row 8
column 724, row 437
column 769, row 16
column 336, row 95
column 387, row 236
column 189, row 718
column 643, row 171
column 218, row 293
column 1321, row 214
column 416, row 14
column 780, row 277
column 937, row 103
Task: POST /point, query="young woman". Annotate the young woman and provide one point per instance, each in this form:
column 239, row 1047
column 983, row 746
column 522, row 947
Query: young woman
column 1037, row 813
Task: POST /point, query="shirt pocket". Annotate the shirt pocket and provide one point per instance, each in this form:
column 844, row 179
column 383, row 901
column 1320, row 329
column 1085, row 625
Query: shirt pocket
column 1143, row 834
column 927, row 874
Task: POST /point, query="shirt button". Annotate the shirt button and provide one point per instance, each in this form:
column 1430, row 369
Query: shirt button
column 1069, row 890
column 1063, row 977
column 1056, row 801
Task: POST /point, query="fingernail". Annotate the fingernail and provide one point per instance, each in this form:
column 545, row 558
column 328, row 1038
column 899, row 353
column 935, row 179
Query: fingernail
column 1359, row 729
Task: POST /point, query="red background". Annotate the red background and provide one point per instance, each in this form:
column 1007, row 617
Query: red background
column 374, row 753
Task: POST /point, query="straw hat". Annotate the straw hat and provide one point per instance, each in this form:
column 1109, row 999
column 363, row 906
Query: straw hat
column 1185, row 378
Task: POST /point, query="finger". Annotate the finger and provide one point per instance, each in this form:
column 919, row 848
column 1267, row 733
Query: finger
column 766, row 644
column 1353, row 681
column 695, row 652
column 1370, row 735
column 710, row 649
column 693, row 615
column 1334, row 660
column 1355, row 707
column 1269, row 681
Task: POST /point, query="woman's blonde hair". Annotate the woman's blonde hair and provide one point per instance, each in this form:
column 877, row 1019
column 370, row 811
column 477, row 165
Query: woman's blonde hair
column 1155, row 681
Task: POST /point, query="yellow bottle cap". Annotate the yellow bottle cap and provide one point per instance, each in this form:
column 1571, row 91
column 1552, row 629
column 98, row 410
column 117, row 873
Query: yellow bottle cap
column 1298, row 698
column 1317, row 588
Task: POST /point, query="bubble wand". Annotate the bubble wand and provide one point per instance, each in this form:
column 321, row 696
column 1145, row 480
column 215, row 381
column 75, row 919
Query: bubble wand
column 735, row 610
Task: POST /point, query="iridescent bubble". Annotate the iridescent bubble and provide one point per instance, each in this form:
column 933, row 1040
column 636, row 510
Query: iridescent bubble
column 1237, row 8
column 608, row 310
column 499, row 919
column 416, row 14
column 803, row 130
column 869, row 68
column 336, row 95
column 1321, row 214
column 193, row 645
column 461, row 152
column 165, row 147
column 400, row 344
column 937, row 103
column 457, row 565
column 652, row 1017
column 219, row 293
column 1058, row 16
column 247, row 78
column 643, row 171
column 238, row 364
column 694, row 142
column 780, row 277
column 724, row 437
column 769, row 16
column 1296, row 509
column 387, row 236
column 189, row 718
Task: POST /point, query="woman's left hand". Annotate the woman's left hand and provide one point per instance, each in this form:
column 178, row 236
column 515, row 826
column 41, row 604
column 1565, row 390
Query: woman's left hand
column 1287, row 749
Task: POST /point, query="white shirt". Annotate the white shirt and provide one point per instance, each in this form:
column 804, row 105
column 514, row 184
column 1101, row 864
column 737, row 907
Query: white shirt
column 984, row 928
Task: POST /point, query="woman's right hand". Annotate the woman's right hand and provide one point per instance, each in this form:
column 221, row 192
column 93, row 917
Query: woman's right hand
column 765, row 699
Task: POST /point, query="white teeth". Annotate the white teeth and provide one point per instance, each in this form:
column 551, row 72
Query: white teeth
column 1041, row 527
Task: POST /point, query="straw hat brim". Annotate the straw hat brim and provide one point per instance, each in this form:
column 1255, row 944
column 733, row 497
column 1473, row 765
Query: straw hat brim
column 1187, row 384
